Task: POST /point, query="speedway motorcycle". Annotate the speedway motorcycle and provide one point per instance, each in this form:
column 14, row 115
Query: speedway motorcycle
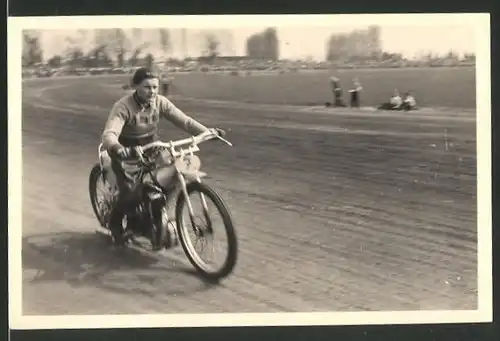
column 164, row 166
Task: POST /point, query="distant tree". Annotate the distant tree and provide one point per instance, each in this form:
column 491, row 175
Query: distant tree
column 55, row 62
column 470, row 57
column 121, row 44
column 211, row 49
column 452, row 55
column 73, row 52
column 175, row 61
column 100, row 55
column 114, row 42
column 165, row 42
column 429, row 56
column 134, row 58
column 76, row 57
column 31, row 51
column 149, row 60
column 136, row 46
column 212, row 45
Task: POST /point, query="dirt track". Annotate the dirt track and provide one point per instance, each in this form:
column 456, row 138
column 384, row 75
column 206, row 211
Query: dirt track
column 334, row 212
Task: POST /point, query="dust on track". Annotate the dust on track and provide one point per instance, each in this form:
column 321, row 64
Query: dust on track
column 334, row 212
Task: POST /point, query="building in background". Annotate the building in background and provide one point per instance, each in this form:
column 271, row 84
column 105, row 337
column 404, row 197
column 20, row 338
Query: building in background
column 264, row 45
column 356, row 45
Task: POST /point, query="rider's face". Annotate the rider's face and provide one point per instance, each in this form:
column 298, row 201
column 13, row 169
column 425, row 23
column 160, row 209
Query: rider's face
column 148, row 89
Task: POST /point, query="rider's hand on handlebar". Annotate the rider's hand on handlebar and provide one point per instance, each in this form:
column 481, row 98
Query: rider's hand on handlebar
column 220, row 132
column 124, row 153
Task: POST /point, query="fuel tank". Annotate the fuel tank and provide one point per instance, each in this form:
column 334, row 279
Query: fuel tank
column 164, row 176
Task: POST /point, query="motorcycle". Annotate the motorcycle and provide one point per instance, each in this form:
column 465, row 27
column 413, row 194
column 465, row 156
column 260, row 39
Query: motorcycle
column 163, row 167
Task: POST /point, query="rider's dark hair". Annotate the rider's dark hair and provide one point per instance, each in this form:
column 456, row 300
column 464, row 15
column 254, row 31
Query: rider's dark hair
column 143, row 73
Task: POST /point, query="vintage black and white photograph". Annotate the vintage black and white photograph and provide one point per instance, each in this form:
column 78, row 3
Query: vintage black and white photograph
column 257, row 170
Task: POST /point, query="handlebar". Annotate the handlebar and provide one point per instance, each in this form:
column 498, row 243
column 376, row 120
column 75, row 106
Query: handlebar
column 171, row 146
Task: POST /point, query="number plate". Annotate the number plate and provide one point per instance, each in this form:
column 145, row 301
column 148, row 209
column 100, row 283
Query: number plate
column 188, row 163
column 164, row 158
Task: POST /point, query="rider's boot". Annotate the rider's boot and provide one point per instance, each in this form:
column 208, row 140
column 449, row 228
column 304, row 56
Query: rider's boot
column 116, row 227
column 123, row 205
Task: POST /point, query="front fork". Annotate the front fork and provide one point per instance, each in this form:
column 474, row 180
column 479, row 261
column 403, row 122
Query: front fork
column 182, row 180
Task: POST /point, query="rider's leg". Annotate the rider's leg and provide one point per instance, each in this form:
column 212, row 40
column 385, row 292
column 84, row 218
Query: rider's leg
column 125, row 182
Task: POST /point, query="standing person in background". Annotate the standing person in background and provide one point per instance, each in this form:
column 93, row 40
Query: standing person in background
column 355, row 102
column 337, row 92
column 166, row 83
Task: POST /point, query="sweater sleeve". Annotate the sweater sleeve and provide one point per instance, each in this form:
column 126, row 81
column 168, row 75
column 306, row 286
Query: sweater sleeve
column 113, row 127
column 169, row 111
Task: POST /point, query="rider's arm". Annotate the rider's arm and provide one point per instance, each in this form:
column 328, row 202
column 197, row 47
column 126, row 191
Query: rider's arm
column 178, row 118
column 113, row 127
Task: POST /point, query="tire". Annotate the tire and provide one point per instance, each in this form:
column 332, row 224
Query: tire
column 95, row 174
column 191, row 254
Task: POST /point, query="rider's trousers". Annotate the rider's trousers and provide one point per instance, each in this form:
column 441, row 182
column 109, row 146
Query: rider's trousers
column 127, row 185
column 126, row 173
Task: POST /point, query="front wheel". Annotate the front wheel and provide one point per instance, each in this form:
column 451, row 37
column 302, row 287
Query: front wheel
column 185, row 225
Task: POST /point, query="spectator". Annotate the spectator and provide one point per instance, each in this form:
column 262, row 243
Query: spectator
column 409, row 102
column 394, row 103
column 337, row 92
column 355, row 102
column 166, row 83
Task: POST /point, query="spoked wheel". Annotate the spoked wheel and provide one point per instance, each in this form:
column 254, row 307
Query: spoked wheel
column 204, row 228
column 100, row 195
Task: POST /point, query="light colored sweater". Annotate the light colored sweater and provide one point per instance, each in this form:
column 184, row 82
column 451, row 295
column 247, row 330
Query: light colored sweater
column 132, row 120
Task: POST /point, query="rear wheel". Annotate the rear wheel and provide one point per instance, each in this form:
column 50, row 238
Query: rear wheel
column 100, row 206
column 203, row 227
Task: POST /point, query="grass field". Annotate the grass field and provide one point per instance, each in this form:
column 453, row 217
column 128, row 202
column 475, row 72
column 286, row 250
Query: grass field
column 433, row 87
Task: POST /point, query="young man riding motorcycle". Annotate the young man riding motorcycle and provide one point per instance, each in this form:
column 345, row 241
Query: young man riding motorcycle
column 133, row 121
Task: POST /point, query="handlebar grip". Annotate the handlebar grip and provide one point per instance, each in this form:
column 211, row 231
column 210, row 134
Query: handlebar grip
column 139, row 153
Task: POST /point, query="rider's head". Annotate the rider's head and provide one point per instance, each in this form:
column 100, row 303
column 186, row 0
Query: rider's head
column 146, row 83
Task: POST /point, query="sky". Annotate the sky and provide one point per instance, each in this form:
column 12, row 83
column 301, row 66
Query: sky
column 295, row 41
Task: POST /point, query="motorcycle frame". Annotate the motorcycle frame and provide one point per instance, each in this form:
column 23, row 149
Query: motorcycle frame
column 181, row 174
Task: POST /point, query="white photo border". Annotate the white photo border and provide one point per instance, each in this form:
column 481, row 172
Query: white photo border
column 481, row 21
